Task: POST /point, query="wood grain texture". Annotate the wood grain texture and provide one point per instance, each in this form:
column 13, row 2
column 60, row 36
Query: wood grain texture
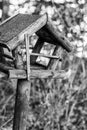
column 21, row 100
column 50, row 34
column 44, row 55
column 21, row 105
column 15, row 25
column 21, row 74
column 12, row 32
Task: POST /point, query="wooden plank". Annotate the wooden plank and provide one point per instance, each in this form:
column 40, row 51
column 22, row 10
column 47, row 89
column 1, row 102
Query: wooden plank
column 44, row 55
column 7, row 68
column 34, row 27
column 47, row 73
column 27, row 39
column 21, row 74
column 17, row 74
column 21, row 96
column 5, row 21
column 15, row 25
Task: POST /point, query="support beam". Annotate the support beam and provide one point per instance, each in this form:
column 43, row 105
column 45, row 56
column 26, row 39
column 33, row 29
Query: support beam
column 6, row 68
column 27, row 40
column 22, row 98
column 44, row 55
column 21, row 105
column 21, row 74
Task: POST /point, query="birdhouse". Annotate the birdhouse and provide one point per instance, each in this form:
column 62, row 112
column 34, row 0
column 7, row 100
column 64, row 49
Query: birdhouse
column 21, row 27
column 16, row 32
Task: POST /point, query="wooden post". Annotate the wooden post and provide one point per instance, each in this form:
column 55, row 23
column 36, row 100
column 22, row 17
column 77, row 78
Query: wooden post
column 21, row 105
column 22, row 98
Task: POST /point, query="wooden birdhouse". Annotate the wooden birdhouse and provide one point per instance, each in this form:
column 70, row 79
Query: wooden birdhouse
column 17, row 31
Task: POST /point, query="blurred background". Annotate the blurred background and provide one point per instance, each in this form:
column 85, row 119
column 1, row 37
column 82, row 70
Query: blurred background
column 69, row 16
column 63, row 106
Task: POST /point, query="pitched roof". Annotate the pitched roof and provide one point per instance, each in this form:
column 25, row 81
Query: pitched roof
column 13, row 29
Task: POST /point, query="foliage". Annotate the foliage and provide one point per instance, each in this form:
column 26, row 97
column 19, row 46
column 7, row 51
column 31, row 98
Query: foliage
column 55, row 104
column 69, row 17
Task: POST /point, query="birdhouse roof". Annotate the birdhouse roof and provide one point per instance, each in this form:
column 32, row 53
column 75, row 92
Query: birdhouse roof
column 12, row 31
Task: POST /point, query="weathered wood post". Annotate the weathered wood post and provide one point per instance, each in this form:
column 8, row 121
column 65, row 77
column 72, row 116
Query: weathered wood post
column 22, row 93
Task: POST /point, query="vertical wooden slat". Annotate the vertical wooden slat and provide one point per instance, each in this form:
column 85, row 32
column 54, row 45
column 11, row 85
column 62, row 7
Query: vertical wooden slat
column 27, row 39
